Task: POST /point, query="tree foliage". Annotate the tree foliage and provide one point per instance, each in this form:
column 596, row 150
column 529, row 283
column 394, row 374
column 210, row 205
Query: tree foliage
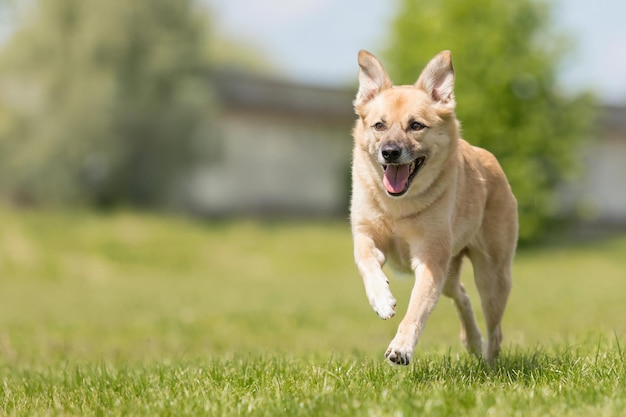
column 506, row 57
column 103, row 102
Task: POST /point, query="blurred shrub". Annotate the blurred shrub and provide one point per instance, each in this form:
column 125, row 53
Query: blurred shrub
column 506, row 58
column 103, row 102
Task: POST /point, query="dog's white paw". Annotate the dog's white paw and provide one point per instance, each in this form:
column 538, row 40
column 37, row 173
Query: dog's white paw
column 398, row 356
column 400, row 351
column 384, row 304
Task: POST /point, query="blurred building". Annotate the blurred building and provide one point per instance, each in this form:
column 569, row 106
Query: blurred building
column 285, row 148
column 599, row 196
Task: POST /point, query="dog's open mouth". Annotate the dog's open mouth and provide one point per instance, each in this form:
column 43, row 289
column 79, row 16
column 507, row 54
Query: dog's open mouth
column 397, row 178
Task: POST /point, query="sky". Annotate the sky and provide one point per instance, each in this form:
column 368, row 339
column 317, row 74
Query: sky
column 317, row 41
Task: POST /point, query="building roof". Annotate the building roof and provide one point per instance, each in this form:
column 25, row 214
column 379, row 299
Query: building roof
column 238, row 89
column 260, row 93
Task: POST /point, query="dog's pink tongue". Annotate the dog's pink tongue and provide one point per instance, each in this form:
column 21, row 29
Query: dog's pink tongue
column 396, row 177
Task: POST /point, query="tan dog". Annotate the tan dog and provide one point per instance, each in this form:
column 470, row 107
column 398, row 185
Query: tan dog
column 422, row 199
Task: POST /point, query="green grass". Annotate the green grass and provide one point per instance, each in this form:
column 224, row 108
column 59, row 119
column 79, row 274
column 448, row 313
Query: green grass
column 566, row 383
column 129, row 314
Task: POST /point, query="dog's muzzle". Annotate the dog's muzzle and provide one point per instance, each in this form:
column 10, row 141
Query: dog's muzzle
column 398, row 177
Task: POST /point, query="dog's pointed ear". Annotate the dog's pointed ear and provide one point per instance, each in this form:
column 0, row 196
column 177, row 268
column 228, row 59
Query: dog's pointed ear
column 437, row 79
column 372, row 78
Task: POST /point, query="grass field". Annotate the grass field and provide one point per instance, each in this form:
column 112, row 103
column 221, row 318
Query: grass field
column 129, row 314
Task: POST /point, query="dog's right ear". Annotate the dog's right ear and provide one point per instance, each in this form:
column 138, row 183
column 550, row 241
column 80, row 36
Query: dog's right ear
column 372, row 78
column 437, row 79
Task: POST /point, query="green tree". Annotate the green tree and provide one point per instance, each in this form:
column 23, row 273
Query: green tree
column 103, row 102
column 506, row 56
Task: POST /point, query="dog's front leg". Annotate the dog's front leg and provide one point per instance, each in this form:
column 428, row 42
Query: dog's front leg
column 429, row 280
column 369, row 261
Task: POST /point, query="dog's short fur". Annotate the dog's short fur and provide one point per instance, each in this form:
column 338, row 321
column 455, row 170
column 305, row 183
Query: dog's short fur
column 422, row 199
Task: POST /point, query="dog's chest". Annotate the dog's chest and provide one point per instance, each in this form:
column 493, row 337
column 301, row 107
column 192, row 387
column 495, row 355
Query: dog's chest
column 398, row 254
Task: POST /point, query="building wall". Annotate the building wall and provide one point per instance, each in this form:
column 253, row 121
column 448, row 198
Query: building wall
column 271, row 164
column 603, row 189
column 285, row 149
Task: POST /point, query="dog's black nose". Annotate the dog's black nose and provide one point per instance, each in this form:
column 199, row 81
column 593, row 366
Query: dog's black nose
column 391, row 152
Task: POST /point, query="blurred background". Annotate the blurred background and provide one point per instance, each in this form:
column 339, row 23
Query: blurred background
column 226, row 108
column 174, row 174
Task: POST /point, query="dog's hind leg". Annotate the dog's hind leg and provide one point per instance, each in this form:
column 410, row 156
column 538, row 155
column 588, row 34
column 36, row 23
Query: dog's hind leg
column 470, row 335
column 492, row 275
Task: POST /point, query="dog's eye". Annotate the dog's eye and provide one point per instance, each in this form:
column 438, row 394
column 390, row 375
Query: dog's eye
column 379, row 127
column 417, row 126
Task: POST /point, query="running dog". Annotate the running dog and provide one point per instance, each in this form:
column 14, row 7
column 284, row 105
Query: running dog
column 422, row 200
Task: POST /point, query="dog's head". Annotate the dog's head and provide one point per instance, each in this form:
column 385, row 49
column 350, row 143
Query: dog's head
column 405, row 129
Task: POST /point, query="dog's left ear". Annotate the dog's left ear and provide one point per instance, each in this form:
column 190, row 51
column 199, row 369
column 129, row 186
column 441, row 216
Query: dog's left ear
column 372, row 78
column 437, row 79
